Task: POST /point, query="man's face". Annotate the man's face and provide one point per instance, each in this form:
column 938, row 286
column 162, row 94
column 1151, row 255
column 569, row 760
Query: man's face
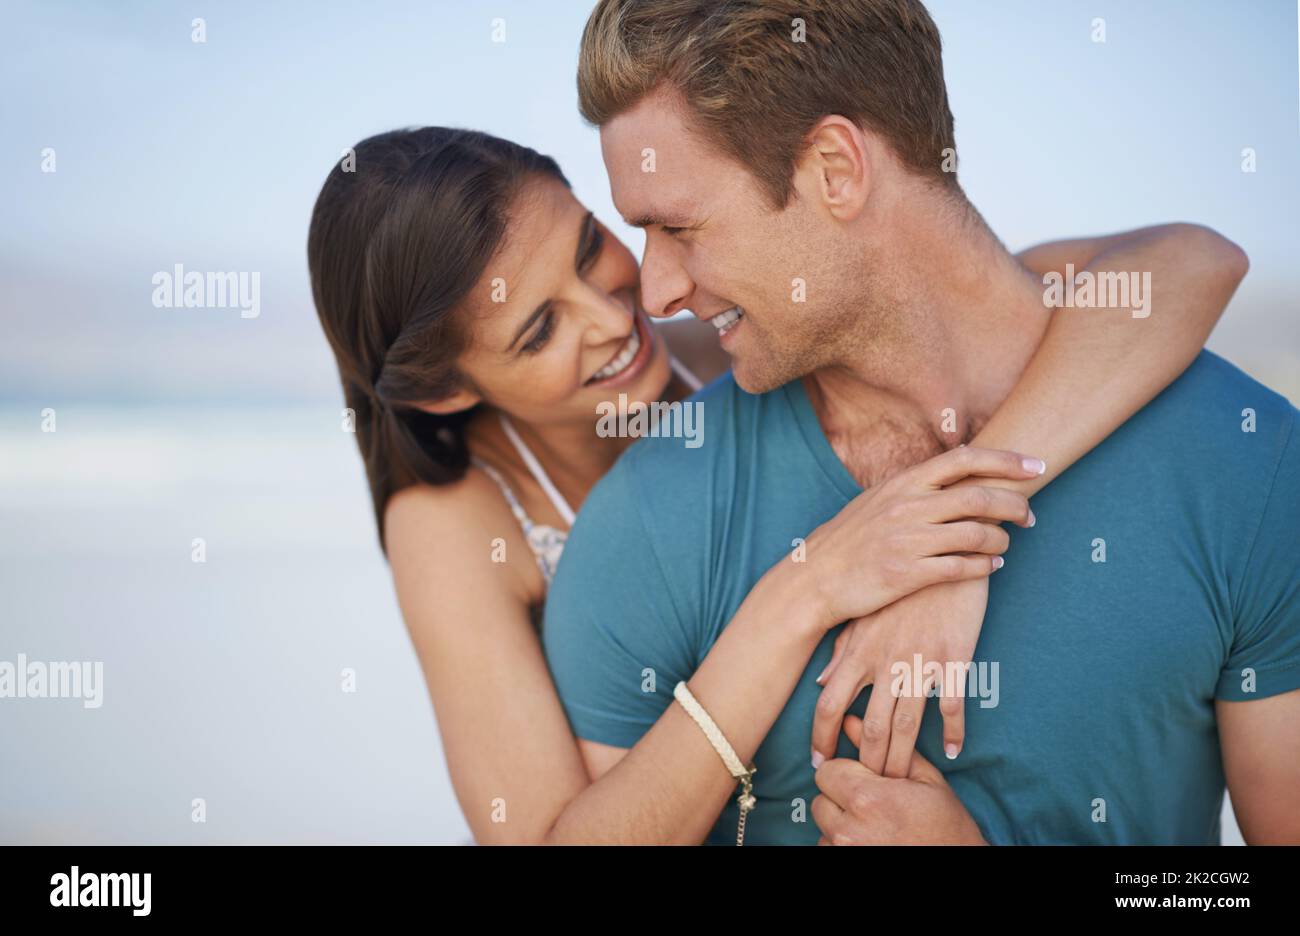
column 715, row 247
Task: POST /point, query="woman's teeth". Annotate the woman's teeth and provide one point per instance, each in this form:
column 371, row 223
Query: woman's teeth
column 624, row 358
column 723, row 321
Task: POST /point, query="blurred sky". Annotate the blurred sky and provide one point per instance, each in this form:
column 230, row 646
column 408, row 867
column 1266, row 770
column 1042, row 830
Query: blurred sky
column 211, row 155
column 222, row 678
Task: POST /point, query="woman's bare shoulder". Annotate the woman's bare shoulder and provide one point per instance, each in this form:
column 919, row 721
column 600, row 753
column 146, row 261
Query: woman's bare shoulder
column 473, row 503
column 695, row 344
column 456, row 527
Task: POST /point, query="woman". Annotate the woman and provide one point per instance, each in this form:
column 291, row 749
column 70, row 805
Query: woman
column 479, row 316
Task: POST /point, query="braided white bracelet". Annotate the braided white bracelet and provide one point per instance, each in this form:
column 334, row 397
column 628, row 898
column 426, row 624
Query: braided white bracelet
column 720, row 744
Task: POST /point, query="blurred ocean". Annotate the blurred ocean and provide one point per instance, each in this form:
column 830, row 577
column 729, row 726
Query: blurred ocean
column 222, row 679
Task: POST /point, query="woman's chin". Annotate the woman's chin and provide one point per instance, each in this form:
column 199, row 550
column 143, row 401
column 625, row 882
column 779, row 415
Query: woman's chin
column 652, row 384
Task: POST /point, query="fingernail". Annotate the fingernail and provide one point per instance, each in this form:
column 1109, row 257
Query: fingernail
column 1036, row 465
column 951, row 751
column 1032, row 518
column 823, row 675
column 817, row 759
column 997, row 563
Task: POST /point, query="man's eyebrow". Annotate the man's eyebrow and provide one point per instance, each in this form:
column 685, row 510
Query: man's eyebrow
column 528, row 323
column 654, row 220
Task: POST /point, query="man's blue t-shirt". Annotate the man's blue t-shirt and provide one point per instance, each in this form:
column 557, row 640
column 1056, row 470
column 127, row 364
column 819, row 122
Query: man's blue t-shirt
column 1107, row 670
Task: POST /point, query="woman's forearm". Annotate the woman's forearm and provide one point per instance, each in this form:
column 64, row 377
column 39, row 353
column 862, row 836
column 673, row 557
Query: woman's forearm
column 670, row 787
column 889, row 541
column 1090, row 374
column 1097, row 367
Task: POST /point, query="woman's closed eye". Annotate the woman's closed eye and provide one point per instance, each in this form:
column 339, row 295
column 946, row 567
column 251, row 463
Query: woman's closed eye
column 593, row 242
column 542, row 334
column 589, row 250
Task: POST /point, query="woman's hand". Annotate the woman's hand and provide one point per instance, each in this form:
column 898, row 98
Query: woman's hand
column 941, row 624
column 908, row 532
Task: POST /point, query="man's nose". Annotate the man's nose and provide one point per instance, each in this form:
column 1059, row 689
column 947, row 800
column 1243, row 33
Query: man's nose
column 665, row 284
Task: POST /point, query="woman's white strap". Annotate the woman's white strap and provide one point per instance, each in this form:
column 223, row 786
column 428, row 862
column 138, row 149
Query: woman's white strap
column 539, row 473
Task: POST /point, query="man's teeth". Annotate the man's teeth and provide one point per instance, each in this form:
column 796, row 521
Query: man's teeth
column 625, row 357
column 723, row 321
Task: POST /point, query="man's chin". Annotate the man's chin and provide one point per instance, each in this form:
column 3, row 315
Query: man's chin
column 755, row 376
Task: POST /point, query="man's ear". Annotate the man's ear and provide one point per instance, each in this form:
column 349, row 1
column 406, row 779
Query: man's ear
column 836, row 167
column 456, row 402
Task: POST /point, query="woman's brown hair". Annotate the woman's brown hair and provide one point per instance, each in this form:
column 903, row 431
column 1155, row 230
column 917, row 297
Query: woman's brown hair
column 401, row 232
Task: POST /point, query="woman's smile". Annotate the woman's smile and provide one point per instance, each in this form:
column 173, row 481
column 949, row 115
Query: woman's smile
column 627, row 364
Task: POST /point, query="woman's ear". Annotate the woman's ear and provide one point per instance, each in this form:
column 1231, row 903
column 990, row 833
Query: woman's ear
column 456, row 402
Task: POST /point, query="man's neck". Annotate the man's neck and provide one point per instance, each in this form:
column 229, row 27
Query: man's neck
column 969, row 317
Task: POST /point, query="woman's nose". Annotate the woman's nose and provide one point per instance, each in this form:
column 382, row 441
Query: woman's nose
column 610, row 313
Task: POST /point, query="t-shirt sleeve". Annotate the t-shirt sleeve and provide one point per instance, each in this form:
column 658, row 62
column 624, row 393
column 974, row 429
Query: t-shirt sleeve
column 614, row 638
column 1265, row 656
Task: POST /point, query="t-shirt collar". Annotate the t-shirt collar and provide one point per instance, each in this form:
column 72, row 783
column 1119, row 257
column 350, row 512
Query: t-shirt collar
column 805, row 417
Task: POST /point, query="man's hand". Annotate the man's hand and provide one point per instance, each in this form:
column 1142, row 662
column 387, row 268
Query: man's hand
column 941, row 623
column 860, row 807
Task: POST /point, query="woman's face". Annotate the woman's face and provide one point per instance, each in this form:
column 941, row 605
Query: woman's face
column 556, row 325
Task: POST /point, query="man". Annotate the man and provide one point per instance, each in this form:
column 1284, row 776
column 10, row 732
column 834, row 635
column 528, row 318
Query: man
column 1146, row 633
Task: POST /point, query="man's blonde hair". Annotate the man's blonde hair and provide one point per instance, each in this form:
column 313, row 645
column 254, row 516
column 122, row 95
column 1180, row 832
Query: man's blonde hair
column 754, row 90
